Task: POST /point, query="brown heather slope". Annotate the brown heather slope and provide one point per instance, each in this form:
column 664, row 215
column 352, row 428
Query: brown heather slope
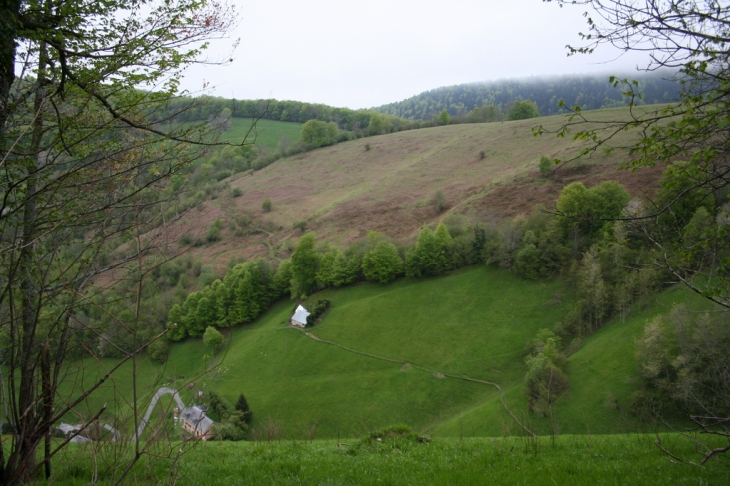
column 344, row 191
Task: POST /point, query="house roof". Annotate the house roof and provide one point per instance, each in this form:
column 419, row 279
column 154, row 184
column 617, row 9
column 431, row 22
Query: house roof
column 300, row 315
column 194, row 415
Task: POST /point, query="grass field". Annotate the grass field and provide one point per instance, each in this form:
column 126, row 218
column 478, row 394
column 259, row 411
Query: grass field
column 424, row 353
column 404, row 338
column 266, row 133
column 613, row 459
column 474, row 322
column 603, row 376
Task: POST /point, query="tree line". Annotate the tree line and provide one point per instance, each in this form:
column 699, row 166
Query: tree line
column 590, row 92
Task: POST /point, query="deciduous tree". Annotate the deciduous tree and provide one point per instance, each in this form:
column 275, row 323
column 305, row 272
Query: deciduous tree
column 382, row 263
column 304, row 262
column 85, row 161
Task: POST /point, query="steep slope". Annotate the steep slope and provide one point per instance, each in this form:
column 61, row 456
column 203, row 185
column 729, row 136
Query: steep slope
column 386, row 183
column 434, row 354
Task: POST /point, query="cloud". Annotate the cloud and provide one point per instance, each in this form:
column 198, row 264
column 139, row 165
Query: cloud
column 366, row 54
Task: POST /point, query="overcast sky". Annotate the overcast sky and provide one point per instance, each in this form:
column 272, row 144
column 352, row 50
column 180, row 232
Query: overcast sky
column 365, row 54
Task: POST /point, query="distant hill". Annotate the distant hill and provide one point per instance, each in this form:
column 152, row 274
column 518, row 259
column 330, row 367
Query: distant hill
column 590, row 92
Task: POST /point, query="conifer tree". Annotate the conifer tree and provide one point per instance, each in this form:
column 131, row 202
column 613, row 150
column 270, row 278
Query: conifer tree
column 242, row 406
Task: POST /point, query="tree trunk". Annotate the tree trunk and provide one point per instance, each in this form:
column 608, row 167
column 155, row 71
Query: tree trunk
column 29, row 434
column 9, row 10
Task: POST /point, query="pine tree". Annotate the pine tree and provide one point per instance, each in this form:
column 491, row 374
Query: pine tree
column 242, row 406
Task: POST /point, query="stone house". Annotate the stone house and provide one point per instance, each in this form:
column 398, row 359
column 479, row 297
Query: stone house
column 194, row 420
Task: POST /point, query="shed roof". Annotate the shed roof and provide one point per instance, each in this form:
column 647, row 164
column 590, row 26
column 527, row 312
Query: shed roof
column 300, row 315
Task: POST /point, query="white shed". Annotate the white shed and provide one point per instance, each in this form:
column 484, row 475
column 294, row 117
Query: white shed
column 299, row 318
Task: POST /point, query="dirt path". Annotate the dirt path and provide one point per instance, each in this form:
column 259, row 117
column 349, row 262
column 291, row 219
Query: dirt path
column 407, row 364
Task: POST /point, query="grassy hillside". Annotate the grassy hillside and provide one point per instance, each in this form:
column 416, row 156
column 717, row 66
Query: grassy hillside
column 474, row 322
column 265, row 133
column 403, row 339
column 425, row 353
column 344, row 190
column 603, row 377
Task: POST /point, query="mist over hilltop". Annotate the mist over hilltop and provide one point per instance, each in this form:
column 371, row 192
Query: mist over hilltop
column 590, row 91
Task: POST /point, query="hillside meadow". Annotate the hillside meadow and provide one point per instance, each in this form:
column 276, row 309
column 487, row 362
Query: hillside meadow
column 263, row 133
column 403, row 338
column 444, row 356
column 386, row 183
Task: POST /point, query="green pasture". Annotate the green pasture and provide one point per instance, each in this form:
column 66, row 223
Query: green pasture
column 603, row 377
column 419, row 338
column 610, row 459
column 418, row 352
column 265, row 133
column 472, row 323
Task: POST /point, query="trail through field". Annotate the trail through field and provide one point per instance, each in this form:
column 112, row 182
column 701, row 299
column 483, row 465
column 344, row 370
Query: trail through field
column 407, row 364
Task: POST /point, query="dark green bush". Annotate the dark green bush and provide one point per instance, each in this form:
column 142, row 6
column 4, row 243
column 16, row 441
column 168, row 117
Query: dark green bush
column 389, row 440
column 219, row 176
column 319, row 308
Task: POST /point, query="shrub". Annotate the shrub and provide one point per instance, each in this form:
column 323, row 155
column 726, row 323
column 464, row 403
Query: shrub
column 243, row 407
column 546, row 165
column 300, row 225
column 219, row 405
column 367, row 147
column 482, row 153
column 266, row 205
column 228, row 431
column 212, row 338
column 389, row 440
column 243, row 220
column 213, row 234
column 319, row 308
column 439, row 201
column 158, row 350
column 236, row 192
column 219, row 176
column 186, row 239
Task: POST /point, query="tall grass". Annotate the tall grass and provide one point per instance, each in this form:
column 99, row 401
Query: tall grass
column 613, row 459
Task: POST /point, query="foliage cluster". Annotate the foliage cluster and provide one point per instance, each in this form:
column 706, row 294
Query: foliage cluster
column 318, row 311
column 432, row 254
column 247, row 290
column 317, row 133
column 232, row 423
column 523, row 110
column 546, row 379
column 684, row 360
column 389, row 440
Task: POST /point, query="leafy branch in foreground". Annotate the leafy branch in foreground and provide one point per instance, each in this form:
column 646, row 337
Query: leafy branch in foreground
column 84, row 184
column 688, row 222
column 690, row 137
